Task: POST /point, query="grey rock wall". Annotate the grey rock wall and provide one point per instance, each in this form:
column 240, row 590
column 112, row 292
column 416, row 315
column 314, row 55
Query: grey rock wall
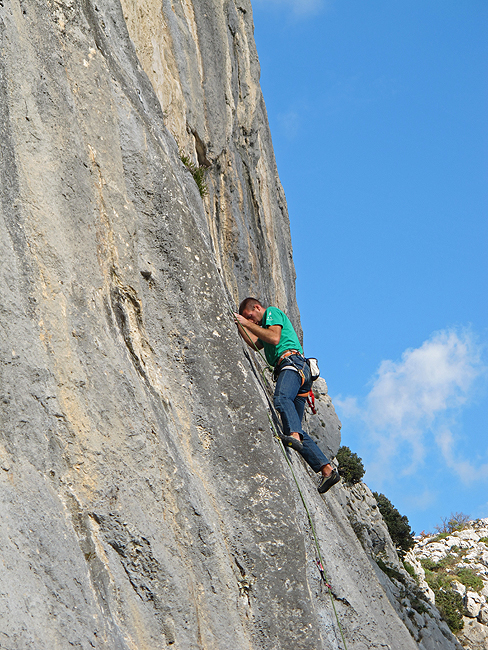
column 201, row 59
column 407, row 596
column 144, row 502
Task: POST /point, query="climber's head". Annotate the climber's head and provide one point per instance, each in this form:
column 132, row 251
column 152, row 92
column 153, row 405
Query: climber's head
column 252, row 309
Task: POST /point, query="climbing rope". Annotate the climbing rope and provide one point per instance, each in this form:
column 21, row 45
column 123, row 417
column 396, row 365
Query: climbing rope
column 320, row 565
column 319, row 561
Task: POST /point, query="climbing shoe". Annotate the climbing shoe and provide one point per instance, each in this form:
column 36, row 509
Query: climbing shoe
column 326, row 482
column 290, row 441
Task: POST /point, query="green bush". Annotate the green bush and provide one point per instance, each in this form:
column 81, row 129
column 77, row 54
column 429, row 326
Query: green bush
column 390, row 571
column 398, row 526
column 447, row 562
column 428, row 564
column 409, row 569
column 469, row 579
column 351, row 467
column 450, row 605
column 484, row 540
column 448, row 602
column 434, row 580
column 440, row 536
column 419, row 605
column 443, row 581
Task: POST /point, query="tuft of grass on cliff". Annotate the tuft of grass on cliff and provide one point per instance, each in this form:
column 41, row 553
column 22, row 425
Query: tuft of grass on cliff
column 198, row 173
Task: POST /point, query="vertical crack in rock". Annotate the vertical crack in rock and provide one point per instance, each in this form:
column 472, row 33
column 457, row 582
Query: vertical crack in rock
column 201, row 150
column 127, row 310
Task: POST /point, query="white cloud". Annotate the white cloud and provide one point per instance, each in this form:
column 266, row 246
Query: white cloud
column 349, row 406
column 421, row 393
column 467, row 471
column 427, row 380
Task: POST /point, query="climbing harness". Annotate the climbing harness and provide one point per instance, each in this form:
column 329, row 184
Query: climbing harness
column 291, row 366
column 286, row 353
column 273, row 416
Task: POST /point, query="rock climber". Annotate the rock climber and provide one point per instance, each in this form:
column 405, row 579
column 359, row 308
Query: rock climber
column 272, row 330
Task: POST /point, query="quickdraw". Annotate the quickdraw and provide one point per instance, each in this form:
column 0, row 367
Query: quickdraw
column 322, row 573
column 310, row 400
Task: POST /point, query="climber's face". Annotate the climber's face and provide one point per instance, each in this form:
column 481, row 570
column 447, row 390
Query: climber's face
column 255, row 314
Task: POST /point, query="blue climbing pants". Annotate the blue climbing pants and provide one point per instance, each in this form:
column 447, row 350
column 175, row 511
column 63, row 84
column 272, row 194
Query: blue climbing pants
column 291, row 407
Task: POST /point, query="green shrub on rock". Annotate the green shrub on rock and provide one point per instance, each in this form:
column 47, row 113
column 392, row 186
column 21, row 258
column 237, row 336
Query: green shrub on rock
column 450, row 605
column 419, row 605
column 198, row 173
column 448, row 562
column 440, row 536
column 390, row 571
column 469, row 579
column 400, row 532
column 409, row 569
column 351, row 467
column 428, row 564
column 448, row 602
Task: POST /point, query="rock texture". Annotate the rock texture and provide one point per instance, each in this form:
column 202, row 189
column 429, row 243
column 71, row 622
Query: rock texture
column 144, row 502
column 417, row 612
column 201, row 59
column 464, row 552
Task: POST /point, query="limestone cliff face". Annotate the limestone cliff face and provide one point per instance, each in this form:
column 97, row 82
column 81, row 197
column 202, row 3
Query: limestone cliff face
column 144, row 502
column 202, row 62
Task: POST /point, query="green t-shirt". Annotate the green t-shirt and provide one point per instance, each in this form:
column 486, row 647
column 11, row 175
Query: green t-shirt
column 289, row 339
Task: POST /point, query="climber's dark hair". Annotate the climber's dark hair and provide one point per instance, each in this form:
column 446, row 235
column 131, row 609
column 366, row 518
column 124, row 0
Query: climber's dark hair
column 248, row 303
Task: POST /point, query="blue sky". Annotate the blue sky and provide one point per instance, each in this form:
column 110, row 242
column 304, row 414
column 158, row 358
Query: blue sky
column 378, row 115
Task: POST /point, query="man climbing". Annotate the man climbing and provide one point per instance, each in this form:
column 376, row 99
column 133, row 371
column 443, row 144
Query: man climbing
column 272, row 330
